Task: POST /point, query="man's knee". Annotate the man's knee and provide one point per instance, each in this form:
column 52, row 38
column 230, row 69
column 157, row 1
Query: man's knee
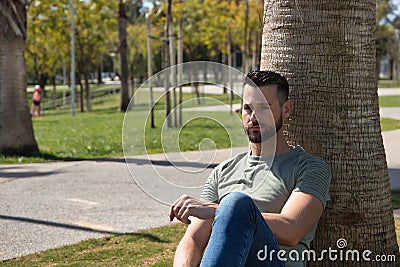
column 235, row 197
column 236, row 202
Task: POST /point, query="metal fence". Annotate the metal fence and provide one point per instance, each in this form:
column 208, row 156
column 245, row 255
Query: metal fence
column 65, row 102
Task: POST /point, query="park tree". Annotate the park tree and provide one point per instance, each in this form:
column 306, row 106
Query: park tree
column 386, row 39
column 137, row 34
column 327, row 50
column 47, row 49
column 95, row 20
column 16, row 132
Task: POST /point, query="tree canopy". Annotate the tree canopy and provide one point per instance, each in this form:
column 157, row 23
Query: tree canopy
column 208, row 26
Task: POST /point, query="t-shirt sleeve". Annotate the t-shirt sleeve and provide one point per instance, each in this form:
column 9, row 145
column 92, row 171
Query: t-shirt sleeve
column 210, row 189
column 314, row 178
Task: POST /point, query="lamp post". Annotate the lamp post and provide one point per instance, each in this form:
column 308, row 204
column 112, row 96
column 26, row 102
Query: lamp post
column 149, row 69
column 72, row 58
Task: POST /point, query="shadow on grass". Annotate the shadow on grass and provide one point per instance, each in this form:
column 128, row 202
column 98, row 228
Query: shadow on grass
column 41, row 157
column 149, row 237
column 51, row 157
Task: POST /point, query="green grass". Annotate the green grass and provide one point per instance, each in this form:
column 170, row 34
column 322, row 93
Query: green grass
column 153, row 247
column 388, row 124
column 98, row 134
column 396, row 199
column 385, row 83
column 389, row 101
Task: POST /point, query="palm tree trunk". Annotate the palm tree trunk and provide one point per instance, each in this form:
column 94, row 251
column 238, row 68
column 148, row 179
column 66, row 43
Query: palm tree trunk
column 16, row 131
column 326, row 49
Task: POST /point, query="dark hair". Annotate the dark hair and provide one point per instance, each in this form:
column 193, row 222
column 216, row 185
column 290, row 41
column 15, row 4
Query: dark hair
column 264, row 78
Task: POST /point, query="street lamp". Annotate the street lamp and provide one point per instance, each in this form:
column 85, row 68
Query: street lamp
column 72, row 58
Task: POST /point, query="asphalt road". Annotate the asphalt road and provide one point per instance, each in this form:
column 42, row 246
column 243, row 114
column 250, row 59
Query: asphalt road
column 47, row 205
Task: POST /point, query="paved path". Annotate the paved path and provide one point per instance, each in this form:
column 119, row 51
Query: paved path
column 49, row 205
column 388, row 91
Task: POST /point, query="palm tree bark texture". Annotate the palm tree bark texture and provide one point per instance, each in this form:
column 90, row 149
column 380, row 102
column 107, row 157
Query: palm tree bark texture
column 326, row 49
column 16, row 131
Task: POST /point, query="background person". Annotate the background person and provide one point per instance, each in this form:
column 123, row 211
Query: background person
column 35, row 107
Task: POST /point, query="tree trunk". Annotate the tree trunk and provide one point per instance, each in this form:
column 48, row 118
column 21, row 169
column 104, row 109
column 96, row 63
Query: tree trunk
column 378, row 65
column 123, row 48
column 326, row 49
column 82, row 95
column 99, row 75
column 88, row 95
column 391, row 63
column 16, row 131
column 54, row 94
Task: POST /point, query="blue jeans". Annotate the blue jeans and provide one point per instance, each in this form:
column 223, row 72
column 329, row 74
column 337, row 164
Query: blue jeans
column 240, row 236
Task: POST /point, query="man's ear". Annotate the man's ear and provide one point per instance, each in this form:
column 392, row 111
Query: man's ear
column 287, row 108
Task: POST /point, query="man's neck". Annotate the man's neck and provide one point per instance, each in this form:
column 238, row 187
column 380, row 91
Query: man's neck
column 269, row 148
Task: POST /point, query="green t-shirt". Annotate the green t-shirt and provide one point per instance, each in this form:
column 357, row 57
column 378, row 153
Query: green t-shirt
column 270, row 186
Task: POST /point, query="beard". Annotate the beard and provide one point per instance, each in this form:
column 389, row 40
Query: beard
column 261, row 136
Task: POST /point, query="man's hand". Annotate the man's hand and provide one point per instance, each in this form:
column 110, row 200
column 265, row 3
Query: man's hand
column 186, row 206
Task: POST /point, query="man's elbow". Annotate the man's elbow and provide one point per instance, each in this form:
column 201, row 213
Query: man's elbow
column 290, row 239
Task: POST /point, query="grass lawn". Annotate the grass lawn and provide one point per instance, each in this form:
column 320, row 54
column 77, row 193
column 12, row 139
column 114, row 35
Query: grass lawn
column 396, row 199
column 154, row 247
column 384, row 83
column 389, row 101
column 388, row 124
column 98, row 134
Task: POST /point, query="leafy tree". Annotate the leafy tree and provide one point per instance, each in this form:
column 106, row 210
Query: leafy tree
column 137, row 34
column 49, row 35
column 45, row 47
column 94, row 19
column 386, row 39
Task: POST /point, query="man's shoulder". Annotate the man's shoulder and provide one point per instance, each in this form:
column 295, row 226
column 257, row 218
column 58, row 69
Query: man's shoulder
column 233, row 160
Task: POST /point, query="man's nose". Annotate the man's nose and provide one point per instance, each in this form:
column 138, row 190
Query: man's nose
column 253, row 116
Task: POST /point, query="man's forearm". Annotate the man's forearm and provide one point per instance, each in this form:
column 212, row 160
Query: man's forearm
column 187, row 254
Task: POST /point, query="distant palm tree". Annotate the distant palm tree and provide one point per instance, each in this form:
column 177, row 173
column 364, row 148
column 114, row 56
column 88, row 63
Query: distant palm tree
column 326, row 48
column 16, row 132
